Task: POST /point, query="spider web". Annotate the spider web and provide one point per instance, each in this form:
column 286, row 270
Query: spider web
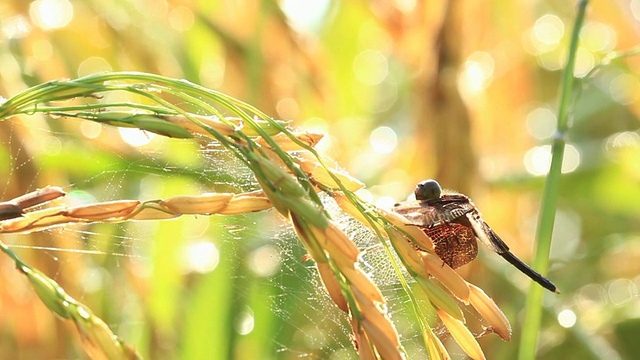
column 258, row 250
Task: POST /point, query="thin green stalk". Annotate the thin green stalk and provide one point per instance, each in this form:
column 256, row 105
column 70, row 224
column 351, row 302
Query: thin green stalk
column 532, row 321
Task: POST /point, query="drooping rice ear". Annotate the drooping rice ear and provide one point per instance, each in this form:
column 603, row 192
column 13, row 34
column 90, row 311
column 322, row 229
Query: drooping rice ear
column 488, row 309
column 462, row 335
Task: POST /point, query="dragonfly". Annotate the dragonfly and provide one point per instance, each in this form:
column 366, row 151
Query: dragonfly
column 455, row 225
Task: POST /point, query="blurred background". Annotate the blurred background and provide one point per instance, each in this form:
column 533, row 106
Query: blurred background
column 464, row 92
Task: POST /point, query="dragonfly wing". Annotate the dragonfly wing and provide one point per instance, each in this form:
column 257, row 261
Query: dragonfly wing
column 454, row 243
column 486, row 235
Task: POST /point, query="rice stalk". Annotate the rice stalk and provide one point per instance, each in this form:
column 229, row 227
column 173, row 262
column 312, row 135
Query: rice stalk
column 289, row 183
column 96, row 338
column 294, row 196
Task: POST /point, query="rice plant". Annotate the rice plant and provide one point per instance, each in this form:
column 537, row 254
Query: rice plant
column 291, row 175
column 289, row 183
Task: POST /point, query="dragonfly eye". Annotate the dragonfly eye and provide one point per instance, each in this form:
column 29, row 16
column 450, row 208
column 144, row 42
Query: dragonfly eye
column 428, row 190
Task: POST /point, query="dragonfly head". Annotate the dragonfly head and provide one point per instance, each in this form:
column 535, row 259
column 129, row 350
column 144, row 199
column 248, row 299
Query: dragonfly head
column 428, row 190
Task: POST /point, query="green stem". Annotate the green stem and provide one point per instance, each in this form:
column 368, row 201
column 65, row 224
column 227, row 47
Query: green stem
column 532, row 321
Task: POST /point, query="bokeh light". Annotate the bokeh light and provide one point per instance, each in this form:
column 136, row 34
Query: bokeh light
column 621, row 291
column 541, row 123
column 598, row 37
column 567, row 318
column 51, row 14
column 305, row 15
column 370, row 67
column 625, row 88
column 135, row 137
column 543, row 40
column 200, row 257
column 477, row 73
column 383, row 140
column 181, row 18
column 621, row 141
column 15, row 27
column 288, row 108
column 264, row 261
column 386, row 202
column 585, row 61
column 93, row 65
column 547, row 33
column 91, row 129
column 538, row 159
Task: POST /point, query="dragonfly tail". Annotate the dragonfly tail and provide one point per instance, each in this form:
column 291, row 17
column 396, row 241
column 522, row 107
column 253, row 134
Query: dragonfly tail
column 527, row 270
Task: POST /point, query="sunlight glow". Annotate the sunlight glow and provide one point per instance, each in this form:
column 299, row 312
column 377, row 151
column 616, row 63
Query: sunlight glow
column 201, row 257
column 15, row 27
column 383, row 140
column 477, row 73
column 51, row 14
column 135, row 137
column 538, row 160
column 567, row 318
column 365, row 195
column 305, row 15
column 406, row 6
column 386, row 202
